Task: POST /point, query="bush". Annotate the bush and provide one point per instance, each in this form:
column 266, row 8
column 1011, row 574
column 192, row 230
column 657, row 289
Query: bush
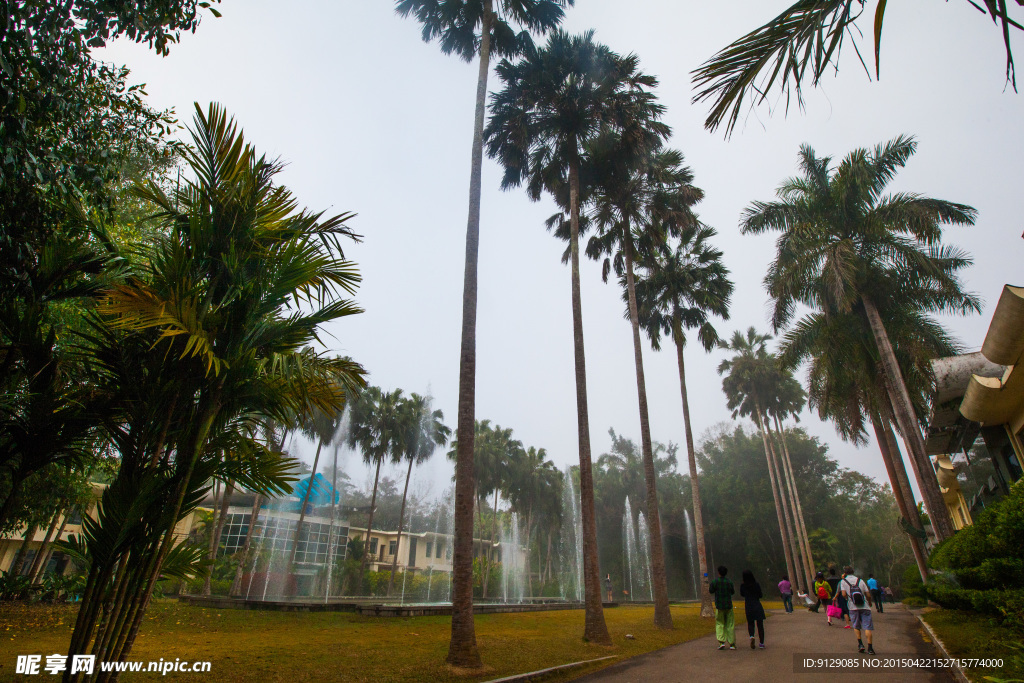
column 913, row 587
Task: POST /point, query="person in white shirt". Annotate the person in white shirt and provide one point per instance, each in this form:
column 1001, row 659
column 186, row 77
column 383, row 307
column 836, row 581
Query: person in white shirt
column 856, row 591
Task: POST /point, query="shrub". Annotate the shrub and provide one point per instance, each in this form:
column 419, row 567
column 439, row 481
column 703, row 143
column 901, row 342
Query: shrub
column 912, row 586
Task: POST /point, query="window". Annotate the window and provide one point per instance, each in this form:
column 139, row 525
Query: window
column 373, row 546
column 430, row 549
column 392, row 547
column 438, row 555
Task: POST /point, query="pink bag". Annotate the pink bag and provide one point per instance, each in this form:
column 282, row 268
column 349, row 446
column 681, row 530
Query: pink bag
column 833, row 611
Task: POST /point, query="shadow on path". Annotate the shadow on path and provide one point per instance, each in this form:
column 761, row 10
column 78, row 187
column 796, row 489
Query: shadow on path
column 789, row 638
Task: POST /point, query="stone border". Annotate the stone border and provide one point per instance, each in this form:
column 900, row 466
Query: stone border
column 543, row 672
column 957, row 672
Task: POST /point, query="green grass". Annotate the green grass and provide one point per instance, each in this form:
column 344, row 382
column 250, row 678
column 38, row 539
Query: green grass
column 971, row 635
column 295, row 647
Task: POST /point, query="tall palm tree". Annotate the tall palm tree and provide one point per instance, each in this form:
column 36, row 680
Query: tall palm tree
column 641, row 197
column 475, row 28
column 555, row 101
column 747, row 384
column 427, row 431
column 845, row 246
column 846, row 386
column 679, row 289
column 377, row 428
column 804, row 40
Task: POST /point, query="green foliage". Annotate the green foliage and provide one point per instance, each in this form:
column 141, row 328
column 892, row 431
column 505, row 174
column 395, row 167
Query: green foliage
column 985, row 564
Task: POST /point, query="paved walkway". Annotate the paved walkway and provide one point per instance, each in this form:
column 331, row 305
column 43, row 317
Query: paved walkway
column 788, row 639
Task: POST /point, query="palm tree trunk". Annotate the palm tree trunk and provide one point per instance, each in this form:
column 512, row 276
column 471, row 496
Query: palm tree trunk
column 942, row 524
column 462, row 651
column 42, row 549
column 787, row 510
column 901, row 490
column 47, row 549
column 594, row 629
column 218, row 529
column 775, row 493
column 236, row 585
column 19, row 559
column 369, row 522
column 302, row 517
column 398, row 543
column 706, row 608
column 662, row 615
column 805, row 541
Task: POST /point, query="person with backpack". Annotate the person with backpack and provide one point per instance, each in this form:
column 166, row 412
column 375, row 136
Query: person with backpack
column 786, row 590
column 725, row 620
column 858, row 594
column 751, row 592
column 876, row 593
column 822, row 591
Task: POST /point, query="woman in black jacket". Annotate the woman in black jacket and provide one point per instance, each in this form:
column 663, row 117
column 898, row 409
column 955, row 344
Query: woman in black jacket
column 751, row 592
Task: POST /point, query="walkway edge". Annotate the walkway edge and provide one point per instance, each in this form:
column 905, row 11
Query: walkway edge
column 961, row 677
column 535, row 674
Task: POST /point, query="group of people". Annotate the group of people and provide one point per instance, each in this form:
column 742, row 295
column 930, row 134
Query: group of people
column 848, row 598
column 725, row 620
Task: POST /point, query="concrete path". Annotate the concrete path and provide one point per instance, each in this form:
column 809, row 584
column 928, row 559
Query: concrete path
column 789, row 639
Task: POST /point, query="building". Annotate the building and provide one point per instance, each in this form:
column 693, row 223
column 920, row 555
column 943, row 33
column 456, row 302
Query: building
column 67, row 524
column 976, row 426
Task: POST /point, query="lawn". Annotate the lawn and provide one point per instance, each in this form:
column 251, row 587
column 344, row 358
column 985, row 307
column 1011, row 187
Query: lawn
column 967, row 634
column 295, row 647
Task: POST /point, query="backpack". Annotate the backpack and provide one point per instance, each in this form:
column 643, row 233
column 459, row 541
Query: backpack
column 855, row 594
column 822, row 591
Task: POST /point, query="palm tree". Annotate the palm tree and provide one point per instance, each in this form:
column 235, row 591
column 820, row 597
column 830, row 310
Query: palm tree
column 378, row 429
column 845, row 246
column 212, row 331
column 809, row 33
column 678, row 290
column 471, row 28
column 555, row 101
column 846, row 386
column 426, row 431
column 747, row 386
column 639, row 200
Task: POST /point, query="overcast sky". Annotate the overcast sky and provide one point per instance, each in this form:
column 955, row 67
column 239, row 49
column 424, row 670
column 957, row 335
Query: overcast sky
column 372, row 120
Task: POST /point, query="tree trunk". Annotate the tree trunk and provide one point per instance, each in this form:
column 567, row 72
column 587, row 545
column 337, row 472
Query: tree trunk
column 805, row 541
column 462, row 650
column 901, row 490
column 594, row 629
column 43, row 548
column 369, row 523
column 398, row 543
column 707, row 609
column 787, row 511
column 218, row 529
column 47, row 549
column 775, row 493
column 334, row 506
column 662, row 614
column 942, row 524
column 19, row 559
column 302, row 516
column 236, row 585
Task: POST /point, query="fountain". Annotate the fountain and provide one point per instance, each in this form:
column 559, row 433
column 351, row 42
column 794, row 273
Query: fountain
column 636, row 564
column 691, row 547
column 513, row 571
column 571, row 577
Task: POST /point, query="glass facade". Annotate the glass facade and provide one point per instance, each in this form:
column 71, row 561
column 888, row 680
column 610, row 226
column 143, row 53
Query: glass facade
column 278, row 533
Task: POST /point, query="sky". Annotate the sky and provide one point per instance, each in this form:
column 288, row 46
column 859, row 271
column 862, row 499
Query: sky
column 372, row 120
